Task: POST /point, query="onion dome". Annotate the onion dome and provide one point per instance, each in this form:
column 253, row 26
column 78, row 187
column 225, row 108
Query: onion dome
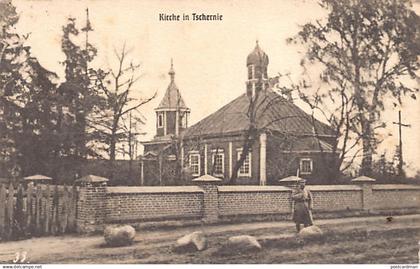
column 257, row 57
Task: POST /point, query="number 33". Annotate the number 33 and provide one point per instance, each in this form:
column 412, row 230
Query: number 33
column 20, row 257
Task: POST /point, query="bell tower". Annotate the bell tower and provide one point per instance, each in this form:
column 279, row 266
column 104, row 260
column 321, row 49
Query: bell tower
column 256, row 62
column 172, row 113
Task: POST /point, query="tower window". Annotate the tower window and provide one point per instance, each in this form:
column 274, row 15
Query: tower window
column 306, row 166
column 258, row 72
column 250, row 71
column 183, row 119
column 160, row 120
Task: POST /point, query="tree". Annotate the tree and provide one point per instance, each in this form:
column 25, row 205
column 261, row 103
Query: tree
column 27, row 103
column 337, row 108
column 117, row 87
column 79, row 94
column 266, row 100
column 36, row 135
column 11, row 48
column 372, row 48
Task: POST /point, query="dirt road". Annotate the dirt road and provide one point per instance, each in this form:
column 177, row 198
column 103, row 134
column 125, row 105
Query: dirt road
column 347, row 240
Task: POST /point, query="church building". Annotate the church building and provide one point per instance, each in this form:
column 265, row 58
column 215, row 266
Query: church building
column 280, row 139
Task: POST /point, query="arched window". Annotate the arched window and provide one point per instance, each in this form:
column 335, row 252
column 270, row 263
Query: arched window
column 160, row 120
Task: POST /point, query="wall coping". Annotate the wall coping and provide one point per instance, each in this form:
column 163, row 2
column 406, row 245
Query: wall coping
column 395, row 187
column 334, row 187
column 155, row 189
column 252, row 188
column 256, row 188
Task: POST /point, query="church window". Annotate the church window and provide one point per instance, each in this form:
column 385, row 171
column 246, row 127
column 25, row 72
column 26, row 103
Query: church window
column 160, row 120
column 218, row 163
column 306, row 166
column 195, row 164
column 245, row 169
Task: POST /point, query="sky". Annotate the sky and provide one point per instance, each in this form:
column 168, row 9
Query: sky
column 209, row 56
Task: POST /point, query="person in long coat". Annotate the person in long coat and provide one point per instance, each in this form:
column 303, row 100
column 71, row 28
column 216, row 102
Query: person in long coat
column 303, row 204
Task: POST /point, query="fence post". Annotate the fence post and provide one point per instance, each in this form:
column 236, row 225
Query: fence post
column 211, row 197
column 3, row 197
column 367, row 195
column 91, row 205
column 10, row 210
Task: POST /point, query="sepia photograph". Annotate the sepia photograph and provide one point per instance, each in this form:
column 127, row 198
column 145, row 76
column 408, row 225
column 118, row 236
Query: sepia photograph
column 209, row 132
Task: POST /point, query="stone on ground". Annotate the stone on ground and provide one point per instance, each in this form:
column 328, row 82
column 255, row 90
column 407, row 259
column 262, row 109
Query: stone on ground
column 244, row 242
column 117, row 236
column 310, row 232
column 193, row 241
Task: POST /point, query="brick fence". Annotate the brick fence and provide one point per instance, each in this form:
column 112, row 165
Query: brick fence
column 99, row 204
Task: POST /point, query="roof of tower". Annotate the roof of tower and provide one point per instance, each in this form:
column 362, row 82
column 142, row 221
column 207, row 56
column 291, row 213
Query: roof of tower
column 257, row 57
column 172, row 98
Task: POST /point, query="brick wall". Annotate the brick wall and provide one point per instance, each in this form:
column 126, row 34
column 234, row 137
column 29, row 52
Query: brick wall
column 153, row 203
column 336, row 198
column 211, row 203
column 395, row 196
column 254, row 200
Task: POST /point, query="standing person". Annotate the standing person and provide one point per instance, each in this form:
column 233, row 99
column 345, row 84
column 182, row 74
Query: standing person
column 303, row 203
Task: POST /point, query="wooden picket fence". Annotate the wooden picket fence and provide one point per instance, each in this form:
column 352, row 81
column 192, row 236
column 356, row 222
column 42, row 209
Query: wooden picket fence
column 39, row 210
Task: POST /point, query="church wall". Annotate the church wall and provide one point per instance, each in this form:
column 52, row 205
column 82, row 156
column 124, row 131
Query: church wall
column 255, row 164
column 212, row 144
column 281, row 164
column 222, row 145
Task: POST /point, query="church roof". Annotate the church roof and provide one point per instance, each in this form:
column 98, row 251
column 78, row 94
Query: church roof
column 172, row 98
column 307, row 143
column 273, row 113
